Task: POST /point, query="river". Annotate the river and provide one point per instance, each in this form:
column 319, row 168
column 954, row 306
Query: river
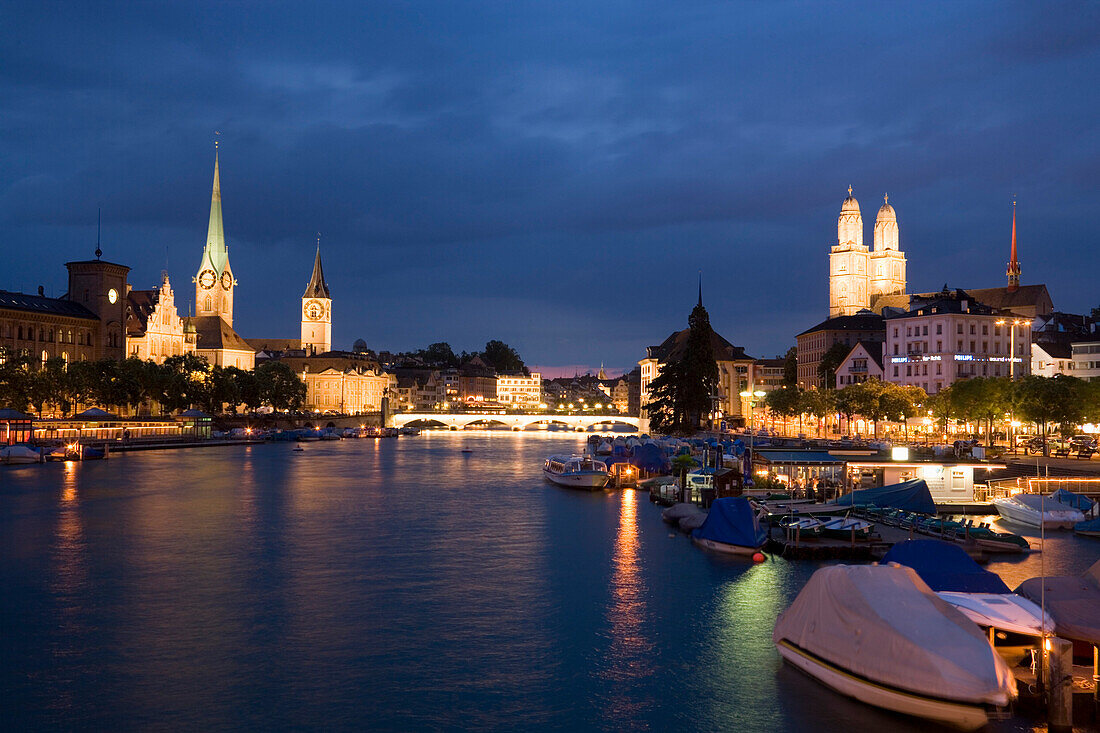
column 394, row 585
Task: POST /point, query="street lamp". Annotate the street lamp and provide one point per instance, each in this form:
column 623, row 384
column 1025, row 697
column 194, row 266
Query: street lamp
column 1012, row 342
column 749, row 395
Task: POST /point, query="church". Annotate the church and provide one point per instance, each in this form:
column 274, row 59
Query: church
column 858, row 277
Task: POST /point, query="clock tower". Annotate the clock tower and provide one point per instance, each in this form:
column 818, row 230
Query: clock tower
column 317, row 311
column 214, row 282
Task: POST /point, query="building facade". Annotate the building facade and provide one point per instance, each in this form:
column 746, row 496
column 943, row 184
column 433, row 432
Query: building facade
column 954, row 337
column 517, row 390
column 154, row 328
column 342, row 382
column 863, row 362
column 848, row 330
column 317, row 311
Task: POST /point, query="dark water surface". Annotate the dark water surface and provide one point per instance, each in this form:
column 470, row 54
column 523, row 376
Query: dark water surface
column 389, row 584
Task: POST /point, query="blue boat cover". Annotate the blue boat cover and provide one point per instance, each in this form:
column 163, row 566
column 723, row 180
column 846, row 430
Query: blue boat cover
column 649, row 457
column 732, row 521
column 1077, row 501
column 945, row 567
column 910, row 496
column 1091, row 525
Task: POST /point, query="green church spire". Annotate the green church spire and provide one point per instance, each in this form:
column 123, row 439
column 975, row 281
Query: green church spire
column 216, row 252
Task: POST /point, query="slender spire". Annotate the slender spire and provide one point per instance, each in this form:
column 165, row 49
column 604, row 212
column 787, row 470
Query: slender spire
column 1013, row 271
column 98, row 230
column 317, row 287
column 215, row 251
column 700, row 288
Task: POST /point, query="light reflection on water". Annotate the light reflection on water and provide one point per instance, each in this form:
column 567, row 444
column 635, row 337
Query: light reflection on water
column 392, row 584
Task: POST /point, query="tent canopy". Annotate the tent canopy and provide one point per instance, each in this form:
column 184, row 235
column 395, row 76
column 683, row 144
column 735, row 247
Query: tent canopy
column 945, row 567
column 910, row 496
column 94, row 413
column 883, row 623
column 732, row 521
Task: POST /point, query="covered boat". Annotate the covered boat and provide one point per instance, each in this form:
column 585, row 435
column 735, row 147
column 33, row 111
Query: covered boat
column 1079, row 502
column 909, row 496
column 1036, row 510
column 981, row 595
column 1073, row 601
column 877, row 633
column 1088, row 528
column 731, row 527
column 576, row 472
column 15, row 454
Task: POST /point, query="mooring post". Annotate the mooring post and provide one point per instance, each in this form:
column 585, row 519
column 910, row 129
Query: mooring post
column 1060, row 684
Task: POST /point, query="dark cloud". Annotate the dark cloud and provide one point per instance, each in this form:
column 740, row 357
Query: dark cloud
column 552, row 174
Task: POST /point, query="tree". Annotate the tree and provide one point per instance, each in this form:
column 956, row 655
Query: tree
column 501, row 357
column 15, row 381
column 786, row 402
column 683, row 388
column 830, row 360
column 279, row 386
column 1058, row 399
column 441, row 355
column 819, row 402
column 184, row 382
column 790, row 367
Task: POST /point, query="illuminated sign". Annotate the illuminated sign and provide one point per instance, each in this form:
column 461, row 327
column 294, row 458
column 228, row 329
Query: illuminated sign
column 964, row 357
column 899, row 453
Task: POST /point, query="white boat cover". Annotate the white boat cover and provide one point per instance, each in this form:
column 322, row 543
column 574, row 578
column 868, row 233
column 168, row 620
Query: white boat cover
column 1073, row 601
column 883, row 623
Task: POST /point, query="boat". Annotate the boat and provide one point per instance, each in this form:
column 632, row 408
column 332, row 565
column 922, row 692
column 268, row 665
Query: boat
column 981, row 595
column 298, row 448
column 330, row 435
column 731, row 528
column 801, row 526
column 1072, row 600
column 20, row 454
column 991, row 540
column 847, row 527
column 877, row 633
column 1089, row 528
column 1036, row 510
column 577, row 472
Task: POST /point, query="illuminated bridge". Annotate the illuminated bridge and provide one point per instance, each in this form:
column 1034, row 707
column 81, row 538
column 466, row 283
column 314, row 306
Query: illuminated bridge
column 515, row 421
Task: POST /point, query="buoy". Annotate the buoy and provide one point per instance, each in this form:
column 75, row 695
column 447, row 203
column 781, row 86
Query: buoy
column 759, row 557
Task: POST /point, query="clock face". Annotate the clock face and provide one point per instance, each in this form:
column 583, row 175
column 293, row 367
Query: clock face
column 112, row 295
column 314, row 310
column 207, row 278
column 227, row 281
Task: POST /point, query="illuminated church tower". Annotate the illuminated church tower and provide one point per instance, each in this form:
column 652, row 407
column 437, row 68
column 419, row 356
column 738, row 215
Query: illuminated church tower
column 848, row 266
column 214, row 282
column 887, row 268
column 317, row 311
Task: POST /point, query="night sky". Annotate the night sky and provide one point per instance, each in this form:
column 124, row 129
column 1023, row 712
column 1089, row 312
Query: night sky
column 551, row 174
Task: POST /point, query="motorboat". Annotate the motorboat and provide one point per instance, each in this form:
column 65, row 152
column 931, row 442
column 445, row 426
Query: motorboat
column 1089, row 528
column 1036, row 510
column 846, row 528
column 801, row 526
column 981, row 595
column 732, row 527
column 20, row 454
column 1072, row 600
column 576, row 472
column 877, row 633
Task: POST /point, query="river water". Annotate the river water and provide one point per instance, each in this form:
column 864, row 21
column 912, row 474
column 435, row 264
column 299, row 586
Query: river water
column 393, row 585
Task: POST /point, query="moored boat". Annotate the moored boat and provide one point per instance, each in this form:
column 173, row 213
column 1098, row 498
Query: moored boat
column 20, row 454
column 576, row 472
column 731, row 528
column 880, row 635
column 1036, row 510
column 981, row 595
column 1090, row 528
column 846, row 528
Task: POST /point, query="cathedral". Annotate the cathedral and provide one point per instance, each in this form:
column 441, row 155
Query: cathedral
column 860, row 278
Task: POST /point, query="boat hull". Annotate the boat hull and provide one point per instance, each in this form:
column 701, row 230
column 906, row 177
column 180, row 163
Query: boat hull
column 724, row 548
column 961, row 716
column 1002, row 612
column 588, row 480
column 1014, row 511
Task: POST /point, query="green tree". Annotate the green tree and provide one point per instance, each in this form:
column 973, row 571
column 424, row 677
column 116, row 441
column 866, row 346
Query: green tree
column 501, row 357
column 279, row 386
column 786, row 402
column 1059, row 399
column 441, row 355
column 184, row 382
column 821, row 403
column 790, row 367
column 830, row 360
column 15, row 380
column 682, row 391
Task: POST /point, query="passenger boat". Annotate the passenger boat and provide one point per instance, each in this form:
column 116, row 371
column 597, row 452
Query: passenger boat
column 1035, row 510
column 731, row 528
column 880, row 635
column 981, row 595
column 576, row 472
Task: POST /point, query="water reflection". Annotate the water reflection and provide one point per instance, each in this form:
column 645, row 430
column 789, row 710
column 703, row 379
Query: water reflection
column 629, row 644
column 68, row 577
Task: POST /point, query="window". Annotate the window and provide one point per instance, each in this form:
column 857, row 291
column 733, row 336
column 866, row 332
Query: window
column 895, row 371
column 960, row 346
column 908, row 370
column 959, row 328
column 939, row 328
column 996, row 330
column 908, row 331
column 895, row 332
column 925, row 332
column 939, row 346
column 971, row 347
column 985, row 347
column 971, row 329
column 895, row 352
column 939, row 370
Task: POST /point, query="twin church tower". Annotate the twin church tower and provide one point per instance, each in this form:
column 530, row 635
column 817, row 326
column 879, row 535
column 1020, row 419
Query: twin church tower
column 215, row 285
column 858, row 276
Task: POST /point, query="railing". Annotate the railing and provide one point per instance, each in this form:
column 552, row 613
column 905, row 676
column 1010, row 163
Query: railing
column 1003, row 488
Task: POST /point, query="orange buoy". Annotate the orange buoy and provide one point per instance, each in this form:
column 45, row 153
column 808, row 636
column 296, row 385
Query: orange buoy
column 759, row 557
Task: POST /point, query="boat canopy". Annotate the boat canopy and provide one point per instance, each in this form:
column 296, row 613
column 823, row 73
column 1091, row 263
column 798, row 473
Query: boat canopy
column 1073, row 601
column 1044, row 503
column 1077, row 501
column 883, row 623
column 945, row 567
column 732, row 521
column 649, row 457
column 910, row 496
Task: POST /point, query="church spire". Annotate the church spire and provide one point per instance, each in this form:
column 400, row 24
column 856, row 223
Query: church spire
column 1013, row 271
column 317, row 287
column 700, row 288
column 216, row 251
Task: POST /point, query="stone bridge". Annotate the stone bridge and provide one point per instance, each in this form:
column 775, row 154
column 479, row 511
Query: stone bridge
column 520, row 421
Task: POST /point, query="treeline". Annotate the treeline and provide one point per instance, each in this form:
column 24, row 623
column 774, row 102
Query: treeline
column 497, row 354
column 181, row 382
column 1062, row 401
